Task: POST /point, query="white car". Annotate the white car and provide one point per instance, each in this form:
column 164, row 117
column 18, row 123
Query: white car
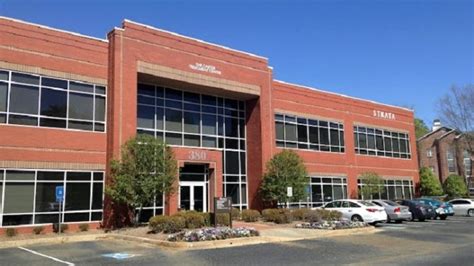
column 463, row 206
column 358, row 210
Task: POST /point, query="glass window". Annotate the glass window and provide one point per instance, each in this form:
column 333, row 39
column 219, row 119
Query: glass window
column 231, row 127
column 20, row 175
column 323, row 136
column 25, row 78
column 77, row 196
column 232, row 162
column 56, row 83
column 97, row 195
column 46, row 197
column 76, row 86
column 3, row 96
column 192, row 140
column 53, row 103
column 99, row 108
column 232, row 190
column 18, row 198
column 24, row 99
column 191, row 122
column 146, row 116
column 334, row 137
column 302, row 133
column 280, row 128
column 81, row 106
column 173, row 120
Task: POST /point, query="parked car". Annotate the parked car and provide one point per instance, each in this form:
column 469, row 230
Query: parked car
column 443, row 210
column 358, row 210
column 395, row 211
column 463, row 206
column 418, row 210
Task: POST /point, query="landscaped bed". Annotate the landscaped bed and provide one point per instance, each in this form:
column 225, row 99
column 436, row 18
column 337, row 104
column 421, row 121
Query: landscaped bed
column 207, row 234
column 332, row 225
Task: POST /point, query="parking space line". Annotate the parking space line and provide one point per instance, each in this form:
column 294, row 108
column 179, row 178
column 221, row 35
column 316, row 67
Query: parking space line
column 46, row 256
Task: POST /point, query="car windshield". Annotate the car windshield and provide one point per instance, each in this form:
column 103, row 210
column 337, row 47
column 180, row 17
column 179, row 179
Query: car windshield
column 366, row 203
column 391, row 203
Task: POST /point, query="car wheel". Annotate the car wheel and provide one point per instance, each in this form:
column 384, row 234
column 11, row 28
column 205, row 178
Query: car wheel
column 398, row 221
column 356, row 218
column 470, row 212
column 443, row 217
column 421, row 219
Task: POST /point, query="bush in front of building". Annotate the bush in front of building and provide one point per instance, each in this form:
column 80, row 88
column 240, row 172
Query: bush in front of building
column 312, row 216
column 10, row 232
column 206, row 216
column 278, row 216
column 250, row 215
column 192, row 219
column 455, row 186
column 63, row 228
column 166, row 224
column 223, row 219
column 299, row 214
column 236, row 214
column 146, row 171
column 285, row 169
column 38, row 229
column 84, row 227
column 429, row 183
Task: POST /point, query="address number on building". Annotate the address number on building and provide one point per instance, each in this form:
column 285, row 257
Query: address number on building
column 197, row 155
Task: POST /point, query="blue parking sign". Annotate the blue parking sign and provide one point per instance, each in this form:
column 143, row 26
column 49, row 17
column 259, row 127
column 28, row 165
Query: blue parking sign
column 59, row 193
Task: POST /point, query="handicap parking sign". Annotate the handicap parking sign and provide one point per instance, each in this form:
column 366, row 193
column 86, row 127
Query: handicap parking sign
column 59, row 193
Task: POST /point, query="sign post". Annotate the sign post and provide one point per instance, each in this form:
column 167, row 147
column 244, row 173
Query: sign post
column 289, row 194
column 222, row 205
column 59, row 199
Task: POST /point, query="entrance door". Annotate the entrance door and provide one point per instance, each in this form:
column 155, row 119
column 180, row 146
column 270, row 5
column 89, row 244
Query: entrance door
column 193, row 182
column 192, row 196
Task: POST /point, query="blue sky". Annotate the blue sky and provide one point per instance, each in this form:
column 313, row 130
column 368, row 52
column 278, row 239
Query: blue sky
column 397, row 52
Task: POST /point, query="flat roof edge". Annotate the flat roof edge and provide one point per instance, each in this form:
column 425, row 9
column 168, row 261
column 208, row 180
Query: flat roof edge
column 54, row 29
column 195, row 39
column 343, row 95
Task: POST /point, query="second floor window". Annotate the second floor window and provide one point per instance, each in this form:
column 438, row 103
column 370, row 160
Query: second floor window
column 451, row 161
column 309, row 134
column 380, row 142
column 467, row 163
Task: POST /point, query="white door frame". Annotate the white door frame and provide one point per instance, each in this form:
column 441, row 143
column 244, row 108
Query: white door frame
column 191, row 185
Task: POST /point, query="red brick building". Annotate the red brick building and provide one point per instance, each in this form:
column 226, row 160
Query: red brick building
column 68, row 102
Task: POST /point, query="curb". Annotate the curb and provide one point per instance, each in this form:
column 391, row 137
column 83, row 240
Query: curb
column 50, row 240
column 234, row 242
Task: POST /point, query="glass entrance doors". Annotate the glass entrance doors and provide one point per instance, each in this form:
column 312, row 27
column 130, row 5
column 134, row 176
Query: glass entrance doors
column 193, row 184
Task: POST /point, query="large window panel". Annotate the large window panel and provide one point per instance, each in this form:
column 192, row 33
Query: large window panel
column 46, row 197
column 78, row 196
column 146, row 116
column 99, row 108
column 18, row 198
column 192, row 122
column 53, row 103
column 290, row 132
column 173, row 120
column 3, row 96
column 81, row 106
column 302, row 133
column 24, row 99
column 209, row 124
column 280, row 130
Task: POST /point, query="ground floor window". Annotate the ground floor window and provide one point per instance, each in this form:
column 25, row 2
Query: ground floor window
column 322, row 189
column 29, row 196
column 155, row 208
column 393, row 189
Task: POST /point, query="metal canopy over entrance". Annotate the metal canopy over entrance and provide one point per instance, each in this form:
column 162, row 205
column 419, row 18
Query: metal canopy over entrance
column 194, row 187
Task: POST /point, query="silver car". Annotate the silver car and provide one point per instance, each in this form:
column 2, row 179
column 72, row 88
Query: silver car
column 463, row 206
column 395, row 212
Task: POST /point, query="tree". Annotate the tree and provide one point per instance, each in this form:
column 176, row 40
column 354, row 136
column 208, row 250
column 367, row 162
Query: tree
column 420, row 128
column 456, row 109
column 455, row 186
column 429, row 183
column 285, row 169
column 372, row 185
column 146, row 170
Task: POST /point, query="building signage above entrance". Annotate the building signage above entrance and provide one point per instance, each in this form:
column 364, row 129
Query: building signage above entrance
column 197, row 155
column 205, row 68
column 384, row 115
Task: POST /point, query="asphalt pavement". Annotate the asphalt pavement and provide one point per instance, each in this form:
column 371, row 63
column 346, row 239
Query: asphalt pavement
column 412, row 243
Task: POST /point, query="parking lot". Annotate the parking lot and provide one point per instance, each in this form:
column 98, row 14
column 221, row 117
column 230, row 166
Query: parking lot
column 420, row 243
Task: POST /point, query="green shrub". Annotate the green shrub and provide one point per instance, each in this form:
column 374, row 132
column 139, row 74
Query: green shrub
column 167, row 224
column 455, row 186
column 299, row 214
column 429, row 183
column 10, row 232
column 84, row 227
column 223, row 219
column 207, row 218
column 192, row 219
column 236, row 214
column 312, row 216
column 335, row 215
column 64, row 227
column 279, row 216
column 250, row 215
column 38, row 229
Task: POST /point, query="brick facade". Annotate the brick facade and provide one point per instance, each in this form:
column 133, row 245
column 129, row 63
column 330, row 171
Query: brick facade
column 137, row 53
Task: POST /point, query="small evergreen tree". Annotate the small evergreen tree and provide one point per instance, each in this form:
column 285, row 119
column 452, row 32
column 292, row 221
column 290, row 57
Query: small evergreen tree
column 372, row 185
column 429, row 183
column 285, row 169
column 455, row 186
column 146, row 170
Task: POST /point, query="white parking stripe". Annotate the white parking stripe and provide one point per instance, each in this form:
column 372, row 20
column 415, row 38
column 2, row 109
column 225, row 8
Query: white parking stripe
column 46, row 256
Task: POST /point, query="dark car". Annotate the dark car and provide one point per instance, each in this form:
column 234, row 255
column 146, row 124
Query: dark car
column 443, row 209
column 419, row 210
